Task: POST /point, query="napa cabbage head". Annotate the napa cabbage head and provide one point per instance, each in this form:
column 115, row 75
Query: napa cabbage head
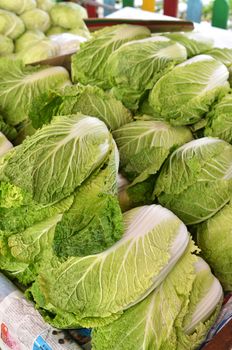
column 89, row 64
column 67, row 15
column 214, row 238
column 65, row 153
column 184, row 95
column 11, row 25
column 39, row 51
column 28, row 39
column 20, row 84
column 136, row 66
column 176, row 315
column 219, row 121
column 145, row 144
column 196, row 181
column 164, row 239
column 36, row 19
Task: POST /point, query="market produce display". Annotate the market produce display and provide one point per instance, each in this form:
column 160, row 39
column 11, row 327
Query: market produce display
column 100, row 203
column 27, row 29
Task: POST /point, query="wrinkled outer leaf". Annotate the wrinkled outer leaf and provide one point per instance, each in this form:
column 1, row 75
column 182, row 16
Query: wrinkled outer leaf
column 184, row 95
column 89, row 63
column 59, row 157
column 94, row 221
column 18, row 212
column 98, row 287
column 26, row 236
column 19, row 85
column 196, row 181
column 214, row 239
column 34, row 245
column 44, row 107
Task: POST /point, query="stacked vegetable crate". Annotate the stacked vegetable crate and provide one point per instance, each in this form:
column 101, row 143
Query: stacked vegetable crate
column 113, row 252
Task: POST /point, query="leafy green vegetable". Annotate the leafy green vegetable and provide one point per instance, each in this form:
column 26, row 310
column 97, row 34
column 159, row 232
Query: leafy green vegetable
column 34, row 245
column 27, row 231
column 28, row 39
column 144, row 146
column 11, row 25
column 17, row 6
column 67, row 15
column 54, row 161
column 89, row 64
column 94, row 221
column 214, row 239
column 151, row 323
column 223, row 55
column 196, row 181
column 36, row 19
column 89, row 100
column 14, row 268
column 19, row 85
column 39, row 51
column 219, row 121
column 195, row 43
column 19, row 211
column 95, row 289
column 185, row 94
column 136, row 66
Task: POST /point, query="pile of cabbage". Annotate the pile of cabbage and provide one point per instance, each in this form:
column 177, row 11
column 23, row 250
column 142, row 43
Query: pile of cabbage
column 118, row 175
column 34, row 30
